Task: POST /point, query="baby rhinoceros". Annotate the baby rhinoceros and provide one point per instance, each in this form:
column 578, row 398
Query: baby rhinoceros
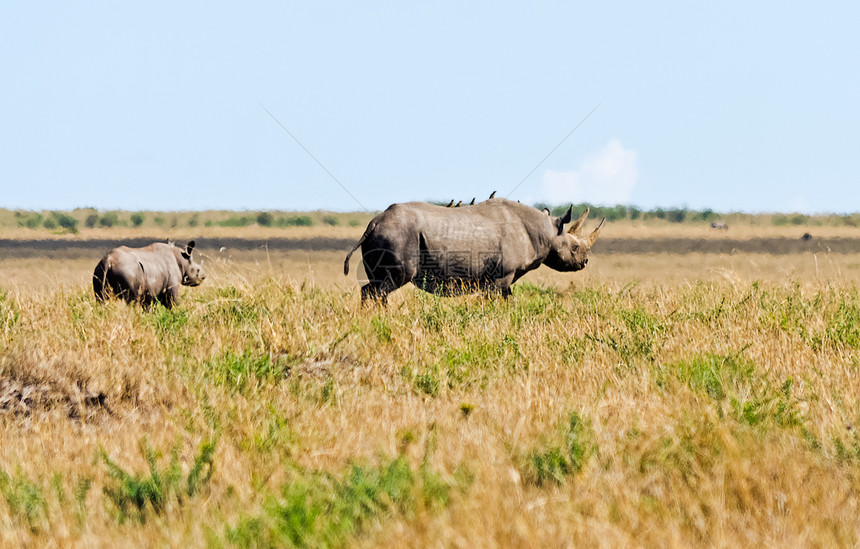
column 144, row 275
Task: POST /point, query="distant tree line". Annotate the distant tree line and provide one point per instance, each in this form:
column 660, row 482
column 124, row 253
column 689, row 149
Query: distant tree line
column 70, row 222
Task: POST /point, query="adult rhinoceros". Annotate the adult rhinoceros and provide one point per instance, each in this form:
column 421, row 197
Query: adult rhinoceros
column 146, row 274
column 486, row 247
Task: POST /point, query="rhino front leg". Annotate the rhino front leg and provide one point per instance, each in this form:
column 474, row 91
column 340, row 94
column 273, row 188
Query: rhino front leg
column 169, row 297
column 501, row 286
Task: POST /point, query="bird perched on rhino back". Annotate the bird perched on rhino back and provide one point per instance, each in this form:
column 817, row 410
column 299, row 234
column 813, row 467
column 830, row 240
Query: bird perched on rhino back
column 146, row 275
column 450, row 251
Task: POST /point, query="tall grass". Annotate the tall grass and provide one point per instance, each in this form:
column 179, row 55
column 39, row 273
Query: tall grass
column 698, row 414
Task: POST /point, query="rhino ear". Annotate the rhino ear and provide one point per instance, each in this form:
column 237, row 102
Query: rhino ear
column 546, row 211
column 564, row 219
column 189, row 247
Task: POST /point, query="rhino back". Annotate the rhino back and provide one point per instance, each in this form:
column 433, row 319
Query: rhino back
column 158, row 262
column 464, row 241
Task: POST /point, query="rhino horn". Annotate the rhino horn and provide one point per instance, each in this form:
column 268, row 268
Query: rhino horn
column 593, row 235
column 576, row 226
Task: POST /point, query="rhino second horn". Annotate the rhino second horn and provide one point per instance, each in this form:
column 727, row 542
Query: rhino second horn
column 593, row 235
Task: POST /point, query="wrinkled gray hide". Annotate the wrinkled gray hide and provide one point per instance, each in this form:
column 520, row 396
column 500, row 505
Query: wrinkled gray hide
column 144, row 275
column 486, row 247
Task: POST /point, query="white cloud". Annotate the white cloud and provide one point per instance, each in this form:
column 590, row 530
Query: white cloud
column 606, row 177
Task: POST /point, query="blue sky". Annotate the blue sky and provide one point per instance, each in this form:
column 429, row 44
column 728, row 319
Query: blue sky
column 160, row 105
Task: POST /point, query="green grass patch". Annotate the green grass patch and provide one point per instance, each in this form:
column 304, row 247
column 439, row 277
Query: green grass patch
column 241, row 371
column 554, row 461
column 636, row 335
column 317, row 509
column 709, row 373
column 24, row 499
column 139, row 495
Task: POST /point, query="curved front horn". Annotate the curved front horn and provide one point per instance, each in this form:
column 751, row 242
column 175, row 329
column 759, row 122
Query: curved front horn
column 576, row 226
column 593, row 235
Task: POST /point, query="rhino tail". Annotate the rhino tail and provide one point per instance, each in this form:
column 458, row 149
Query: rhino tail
column 357, row 244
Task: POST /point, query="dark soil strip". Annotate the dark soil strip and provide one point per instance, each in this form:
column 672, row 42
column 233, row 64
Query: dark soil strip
column 81, row 249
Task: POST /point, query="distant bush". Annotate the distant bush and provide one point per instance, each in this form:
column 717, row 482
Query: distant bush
column 31, row 222
column 354, row 223
column 65, row 221
column 194, row 221
column 159, row 220
column 137, row 219
column 794, row 219
column 707, row 215
column 265, row 219
column 296, row 221
column 676, row 216
column 50, row 223
column 91, row 220
column 241, row 221
column 108, row 220
column 331, row 220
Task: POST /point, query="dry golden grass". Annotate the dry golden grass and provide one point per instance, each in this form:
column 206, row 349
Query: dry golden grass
column 657, row 400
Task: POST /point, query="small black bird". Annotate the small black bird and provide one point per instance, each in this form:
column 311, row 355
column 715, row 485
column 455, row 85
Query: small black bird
column 472, row 203
column 458, row 204
column 492, row 195
column 450, row 203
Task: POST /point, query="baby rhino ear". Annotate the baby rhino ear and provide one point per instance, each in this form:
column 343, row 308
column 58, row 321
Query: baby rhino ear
column 189, row 247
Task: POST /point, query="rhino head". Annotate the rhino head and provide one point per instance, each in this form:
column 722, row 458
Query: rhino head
column 569, row 249
column 192, row 273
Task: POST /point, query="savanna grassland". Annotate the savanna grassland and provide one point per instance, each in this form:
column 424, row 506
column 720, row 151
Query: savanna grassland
column 659, row 399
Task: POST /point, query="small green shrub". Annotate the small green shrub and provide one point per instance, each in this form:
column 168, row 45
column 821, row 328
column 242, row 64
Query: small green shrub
column 843, row 326
column 317, row 509
column 555, row 462
column 138, row 495
column 428, row 382
column 710, row 373
column 25, row 499
column 239, row 371
column 137, row 219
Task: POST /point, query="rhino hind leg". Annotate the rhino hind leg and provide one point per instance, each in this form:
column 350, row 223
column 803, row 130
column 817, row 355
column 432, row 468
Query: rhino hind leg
column 385, row 273
column 375, row 292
